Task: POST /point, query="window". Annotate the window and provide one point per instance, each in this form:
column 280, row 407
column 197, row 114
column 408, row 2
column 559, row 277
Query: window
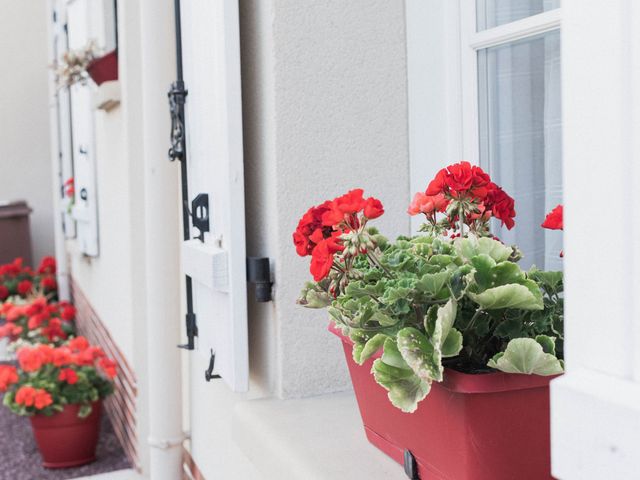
column 513, row 56
column 484, row 86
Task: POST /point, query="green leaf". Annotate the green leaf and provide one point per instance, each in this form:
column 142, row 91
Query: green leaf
column 472, row 246
column 84, row 411
column 484, row 265
column 356, row 352
column 507, row 272
column 525, row 297
column 432, row 283
column 383, row 319
column 551, row 280
column 371, row 347
column 404, row 387
column 391, row 355
column 417, row 351
column 547, row 343
column 526, row 355
column 452, row 344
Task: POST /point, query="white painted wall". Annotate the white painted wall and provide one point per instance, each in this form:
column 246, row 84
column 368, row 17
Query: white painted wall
column 25, row 160
column 339, row 114
column 115, row 281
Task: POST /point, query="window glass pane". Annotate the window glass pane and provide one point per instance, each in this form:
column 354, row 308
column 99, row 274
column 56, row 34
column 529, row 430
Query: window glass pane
column 491, row 13
column 520, row 138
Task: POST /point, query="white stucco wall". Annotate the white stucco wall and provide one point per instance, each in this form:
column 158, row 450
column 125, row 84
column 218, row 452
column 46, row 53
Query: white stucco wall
column 114, row 282
column 25, row 162
column 325, row 110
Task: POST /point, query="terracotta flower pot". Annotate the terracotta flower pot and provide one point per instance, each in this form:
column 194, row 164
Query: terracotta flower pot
column 492, row 426
column 105, row 68
column 64, row 439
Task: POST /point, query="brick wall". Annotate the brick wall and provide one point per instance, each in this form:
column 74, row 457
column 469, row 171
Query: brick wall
column 121, row 405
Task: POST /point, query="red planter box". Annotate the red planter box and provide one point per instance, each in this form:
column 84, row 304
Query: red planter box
column 64, row 439
column 105, row 68
column 492, row 426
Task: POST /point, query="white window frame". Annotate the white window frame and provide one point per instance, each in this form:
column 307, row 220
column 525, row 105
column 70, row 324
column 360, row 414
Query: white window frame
column 442, row 71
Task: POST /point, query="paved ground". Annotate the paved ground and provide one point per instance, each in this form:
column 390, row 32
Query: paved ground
column 20, row 460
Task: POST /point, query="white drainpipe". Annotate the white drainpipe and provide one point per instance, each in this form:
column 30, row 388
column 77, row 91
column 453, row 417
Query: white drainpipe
column 162, row 230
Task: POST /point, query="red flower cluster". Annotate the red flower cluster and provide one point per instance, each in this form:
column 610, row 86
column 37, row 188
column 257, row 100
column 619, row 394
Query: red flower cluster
column 49, row 321
column 77, row 352
column 8, row 376
column 463, row 182
column 69, row 188
column 33, row 397
column 320, row 229
column 554, row 219
column 18, row 279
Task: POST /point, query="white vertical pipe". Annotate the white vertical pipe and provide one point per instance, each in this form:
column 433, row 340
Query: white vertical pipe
column 162, row 227
column 54, row 146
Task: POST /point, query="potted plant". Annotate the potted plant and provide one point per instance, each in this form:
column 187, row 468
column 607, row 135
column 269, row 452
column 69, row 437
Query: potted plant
column 61, row 390
column 450, row 344
column 36, row 321
column 73, row 66
column 19, row 280
column 104, row 68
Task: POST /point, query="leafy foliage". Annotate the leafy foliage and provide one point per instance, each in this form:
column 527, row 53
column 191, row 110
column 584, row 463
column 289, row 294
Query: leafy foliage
column 430, row 301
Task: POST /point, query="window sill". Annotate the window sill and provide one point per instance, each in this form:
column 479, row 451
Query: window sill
column 314, row 438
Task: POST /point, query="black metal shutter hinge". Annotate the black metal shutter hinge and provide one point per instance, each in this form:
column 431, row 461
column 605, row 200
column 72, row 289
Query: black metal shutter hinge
column 259, row 274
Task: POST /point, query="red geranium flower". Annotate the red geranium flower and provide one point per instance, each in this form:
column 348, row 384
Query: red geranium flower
column 68, row 375
column 24, row 287
column 33, row 397
column 427, row 204
column 48, row 283
column 31, row 359
column 554, row 219
column 4, row 292
column 8, row 376
column 461, row 180
column 308, row 224
column 78, row 344
column 323, row 255
column 68, row 313
column 502, row 206
column 47, row 266
column 373, row 208
column 109, row 367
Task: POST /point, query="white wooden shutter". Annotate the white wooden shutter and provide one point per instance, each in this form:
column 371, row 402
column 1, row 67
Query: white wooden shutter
column 65, row 147
column 85, row 210
column 211, row 59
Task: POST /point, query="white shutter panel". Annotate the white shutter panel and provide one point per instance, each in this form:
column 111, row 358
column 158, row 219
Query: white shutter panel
column 211, row 59
column 63, row 104
column 85, row 210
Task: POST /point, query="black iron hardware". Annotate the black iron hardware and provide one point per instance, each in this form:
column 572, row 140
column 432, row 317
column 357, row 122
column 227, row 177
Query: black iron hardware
column 208, row 374
column 83, row 194
column 259, row 273
column 178, row 151
column 200, row 214
column 177, row 98
column 411, row 466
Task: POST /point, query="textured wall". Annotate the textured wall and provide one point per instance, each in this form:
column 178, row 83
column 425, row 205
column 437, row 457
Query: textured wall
column 324, row 88
column 25, row 160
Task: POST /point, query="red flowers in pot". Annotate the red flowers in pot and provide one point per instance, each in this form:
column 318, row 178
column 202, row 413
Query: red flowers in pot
column 61, row 389
column 19, row 280
column 446, row 315
column 37, row 321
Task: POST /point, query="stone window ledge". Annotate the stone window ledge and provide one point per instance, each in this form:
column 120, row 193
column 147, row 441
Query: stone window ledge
column 318, row 438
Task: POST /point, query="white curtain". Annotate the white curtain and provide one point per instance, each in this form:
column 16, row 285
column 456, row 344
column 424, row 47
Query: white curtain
column 520, row 138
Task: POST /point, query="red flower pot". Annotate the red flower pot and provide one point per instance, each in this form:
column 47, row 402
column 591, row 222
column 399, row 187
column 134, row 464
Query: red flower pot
column 105, row 68
column 64, row 439
column 492, row 426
